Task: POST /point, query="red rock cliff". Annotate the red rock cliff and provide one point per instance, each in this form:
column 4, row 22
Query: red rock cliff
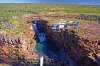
column 84, row 47
column 17, row 49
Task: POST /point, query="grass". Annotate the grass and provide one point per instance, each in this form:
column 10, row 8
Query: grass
column 13, row 12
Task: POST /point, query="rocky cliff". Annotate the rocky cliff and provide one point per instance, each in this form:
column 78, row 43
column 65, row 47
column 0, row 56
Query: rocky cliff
column 17, row 48
column 82, row 44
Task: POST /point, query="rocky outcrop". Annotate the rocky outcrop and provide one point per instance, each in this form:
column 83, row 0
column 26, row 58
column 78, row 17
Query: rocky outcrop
column 88, row 17
column 17, row 49
column 83, row 48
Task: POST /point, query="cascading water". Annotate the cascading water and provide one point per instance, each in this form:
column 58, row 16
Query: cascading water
column 48, row 49
column 42, row 37
column 41, row 42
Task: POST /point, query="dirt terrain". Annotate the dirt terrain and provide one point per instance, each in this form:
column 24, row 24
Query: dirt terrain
column 16, row 49
column 81, row 43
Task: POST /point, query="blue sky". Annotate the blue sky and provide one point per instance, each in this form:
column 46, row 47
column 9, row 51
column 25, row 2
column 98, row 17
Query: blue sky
column 87, row 2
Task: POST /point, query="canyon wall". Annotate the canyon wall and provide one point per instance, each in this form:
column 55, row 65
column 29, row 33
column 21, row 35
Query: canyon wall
column 83, row 48
column 17, row 48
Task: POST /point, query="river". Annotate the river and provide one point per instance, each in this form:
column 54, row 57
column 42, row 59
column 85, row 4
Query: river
column 49, row 50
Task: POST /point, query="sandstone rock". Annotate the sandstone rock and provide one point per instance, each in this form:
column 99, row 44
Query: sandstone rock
column 82, row 50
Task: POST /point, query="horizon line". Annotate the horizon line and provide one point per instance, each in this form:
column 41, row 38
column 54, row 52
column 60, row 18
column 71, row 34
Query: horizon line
column 53, row 3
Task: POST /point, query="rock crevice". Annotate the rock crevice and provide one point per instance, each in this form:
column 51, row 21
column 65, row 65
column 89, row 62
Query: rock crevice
column 84, row 50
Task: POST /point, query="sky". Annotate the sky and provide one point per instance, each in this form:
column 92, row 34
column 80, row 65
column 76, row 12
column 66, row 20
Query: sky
column 86, row 2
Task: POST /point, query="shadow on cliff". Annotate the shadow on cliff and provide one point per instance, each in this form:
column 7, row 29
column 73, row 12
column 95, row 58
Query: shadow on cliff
column 73, row 46
column 48, row 49
column 68, row 41
column 42, row 25
column 76, row 50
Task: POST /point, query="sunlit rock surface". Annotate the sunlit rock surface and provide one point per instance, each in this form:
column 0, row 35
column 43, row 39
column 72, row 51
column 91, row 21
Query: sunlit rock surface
column 17, row 49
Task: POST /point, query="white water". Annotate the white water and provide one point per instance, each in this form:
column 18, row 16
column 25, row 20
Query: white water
column 42, row 37
column 41, row 61
column 60, row 55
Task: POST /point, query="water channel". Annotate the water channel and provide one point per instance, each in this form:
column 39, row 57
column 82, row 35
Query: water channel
column 49, row 50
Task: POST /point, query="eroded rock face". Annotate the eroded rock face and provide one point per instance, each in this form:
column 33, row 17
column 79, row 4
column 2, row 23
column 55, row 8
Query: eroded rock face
column 17, row 48
column 84, row 50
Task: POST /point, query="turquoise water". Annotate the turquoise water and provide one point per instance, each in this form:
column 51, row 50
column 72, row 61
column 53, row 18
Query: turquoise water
column 38, row 48
column 43, row 48
column 46, row 47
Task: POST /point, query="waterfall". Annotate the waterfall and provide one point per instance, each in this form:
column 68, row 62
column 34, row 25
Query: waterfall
column 35, row 25
column 42, row 37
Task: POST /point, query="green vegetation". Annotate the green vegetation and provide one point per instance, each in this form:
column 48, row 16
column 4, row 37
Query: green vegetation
column 46, row 8
column 13, row 12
